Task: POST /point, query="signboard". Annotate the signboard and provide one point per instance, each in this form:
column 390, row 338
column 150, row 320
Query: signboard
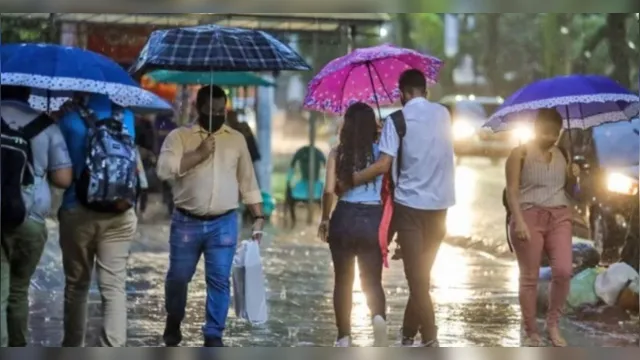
column 122, row 43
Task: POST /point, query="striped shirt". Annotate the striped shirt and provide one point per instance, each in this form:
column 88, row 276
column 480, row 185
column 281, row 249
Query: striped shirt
column 542, row 183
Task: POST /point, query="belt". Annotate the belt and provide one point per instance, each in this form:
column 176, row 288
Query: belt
column 369, row 203
column 362, row 202
column 204, row 217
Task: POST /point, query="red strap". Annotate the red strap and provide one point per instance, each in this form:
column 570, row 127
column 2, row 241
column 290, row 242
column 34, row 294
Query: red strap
column 385, row 223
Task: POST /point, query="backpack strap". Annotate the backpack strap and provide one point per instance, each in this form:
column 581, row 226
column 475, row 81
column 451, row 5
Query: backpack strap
column 117, row 112
column 36, row 126
column 88, row 116
column 400, row 124
column 523, row 157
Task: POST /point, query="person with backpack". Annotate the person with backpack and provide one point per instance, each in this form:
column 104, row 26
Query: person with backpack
column 34, row 154
column 539, row 179
column 97, row 216
column 417, row 143
column 209, row 165
column 352, row 229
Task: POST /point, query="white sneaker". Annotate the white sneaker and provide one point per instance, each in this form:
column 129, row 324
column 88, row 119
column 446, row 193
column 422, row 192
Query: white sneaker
column 343, row 342
column 380, row 334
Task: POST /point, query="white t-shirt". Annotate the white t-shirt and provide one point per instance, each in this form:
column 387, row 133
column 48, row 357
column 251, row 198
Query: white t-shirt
column 427, row 177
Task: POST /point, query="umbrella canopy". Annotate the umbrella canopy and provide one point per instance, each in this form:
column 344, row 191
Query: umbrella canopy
column 64, row 68
column 227, row 78
column 617, row 144
column 367, row 75
column 39, row 100
column 583, row 100
column 216, row 48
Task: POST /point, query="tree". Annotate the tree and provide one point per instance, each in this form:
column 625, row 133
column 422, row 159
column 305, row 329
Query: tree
column 17, row 30
column 610, row 43
column 618, row 47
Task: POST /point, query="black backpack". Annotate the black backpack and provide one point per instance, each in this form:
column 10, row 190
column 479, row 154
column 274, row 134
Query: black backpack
column 17, row 168
column 401, row 129
column 570, row 187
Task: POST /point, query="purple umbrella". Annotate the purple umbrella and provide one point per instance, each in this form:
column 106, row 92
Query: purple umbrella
column 367, row 75
column 584, row 101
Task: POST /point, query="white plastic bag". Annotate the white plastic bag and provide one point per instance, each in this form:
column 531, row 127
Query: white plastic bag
column 249, row 293
column 610, row 283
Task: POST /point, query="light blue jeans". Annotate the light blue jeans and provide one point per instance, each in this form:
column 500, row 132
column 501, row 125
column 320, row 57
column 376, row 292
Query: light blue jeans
column 189, row 239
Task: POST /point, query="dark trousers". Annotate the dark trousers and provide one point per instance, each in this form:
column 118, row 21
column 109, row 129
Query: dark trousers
column 353, row 234
column 420, row 233
column 19, row 256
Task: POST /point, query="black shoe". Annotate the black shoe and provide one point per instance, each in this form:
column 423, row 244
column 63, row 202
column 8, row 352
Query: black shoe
column 397, row 254
column 172, row 335
column 407, row 341
column 213, row 342
column 432, row 343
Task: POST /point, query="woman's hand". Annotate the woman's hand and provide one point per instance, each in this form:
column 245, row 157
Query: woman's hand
column 522, row 231
column 323, row 230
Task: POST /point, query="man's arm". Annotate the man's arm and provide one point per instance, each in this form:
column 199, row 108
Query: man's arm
column 380, row 167
column 60, row 167
column 173, row 162
column 389, row 143
column 247, row 182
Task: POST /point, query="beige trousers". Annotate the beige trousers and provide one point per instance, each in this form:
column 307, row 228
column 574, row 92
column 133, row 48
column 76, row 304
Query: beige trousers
column 87, row 237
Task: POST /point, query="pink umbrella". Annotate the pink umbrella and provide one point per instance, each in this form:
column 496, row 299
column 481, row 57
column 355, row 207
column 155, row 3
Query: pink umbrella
column 367, row 75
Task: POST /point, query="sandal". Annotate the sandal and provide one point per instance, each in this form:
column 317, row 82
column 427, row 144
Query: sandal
column 556, row 339
column 532, row 341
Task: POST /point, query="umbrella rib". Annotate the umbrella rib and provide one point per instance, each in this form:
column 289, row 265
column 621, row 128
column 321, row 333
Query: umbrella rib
column 382, row 83
column 344, row 86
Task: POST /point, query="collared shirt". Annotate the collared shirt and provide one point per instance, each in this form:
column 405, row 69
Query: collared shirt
column 49, row 154
column 427, row 177
column 74, row 130
column 211, row 187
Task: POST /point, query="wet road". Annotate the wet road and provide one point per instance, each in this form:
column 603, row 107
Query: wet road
column 475, row 293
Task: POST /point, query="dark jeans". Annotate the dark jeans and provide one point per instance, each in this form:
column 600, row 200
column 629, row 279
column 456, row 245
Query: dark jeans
column 189, row 239
column 420, row 233
column 353, row 233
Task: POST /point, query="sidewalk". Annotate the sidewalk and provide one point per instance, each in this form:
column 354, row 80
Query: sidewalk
column 475, row 297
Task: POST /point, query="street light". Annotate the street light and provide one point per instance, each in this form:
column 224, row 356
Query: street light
column 383, row 32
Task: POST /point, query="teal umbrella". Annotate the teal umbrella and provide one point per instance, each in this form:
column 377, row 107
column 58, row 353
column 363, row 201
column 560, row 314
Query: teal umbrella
column 221, row 78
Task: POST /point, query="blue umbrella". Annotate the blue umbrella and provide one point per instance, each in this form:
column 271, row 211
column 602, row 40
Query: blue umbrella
column 216, row 48
column 583, row 100
column 64, row 68
column 617, row 144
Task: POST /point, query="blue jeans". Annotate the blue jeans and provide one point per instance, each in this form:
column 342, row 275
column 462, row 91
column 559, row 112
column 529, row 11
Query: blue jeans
column 190, row 238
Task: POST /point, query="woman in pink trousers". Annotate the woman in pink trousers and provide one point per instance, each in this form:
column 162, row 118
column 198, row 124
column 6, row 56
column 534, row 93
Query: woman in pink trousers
column 541, row 222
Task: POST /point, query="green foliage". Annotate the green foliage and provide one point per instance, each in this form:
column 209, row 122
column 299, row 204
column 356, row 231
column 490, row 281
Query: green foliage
column 15, row 30
column 428, row 33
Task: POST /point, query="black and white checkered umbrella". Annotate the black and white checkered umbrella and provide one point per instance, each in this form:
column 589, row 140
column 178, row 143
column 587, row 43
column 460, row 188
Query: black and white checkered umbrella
column 216, row 48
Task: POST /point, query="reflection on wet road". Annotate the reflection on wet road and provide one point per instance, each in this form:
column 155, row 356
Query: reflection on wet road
column 475, row 294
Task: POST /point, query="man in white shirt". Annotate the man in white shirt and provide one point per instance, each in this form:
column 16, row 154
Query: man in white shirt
column 424, row 191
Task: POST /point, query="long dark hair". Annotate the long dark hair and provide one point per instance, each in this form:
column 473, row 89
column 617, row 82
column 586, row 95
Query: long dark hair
column 355, row 150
